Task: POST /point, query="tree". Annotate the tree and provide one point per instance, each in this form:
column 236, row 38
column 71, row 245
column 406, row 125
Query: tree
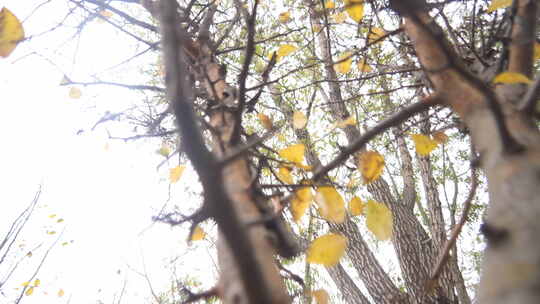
column 225, row 60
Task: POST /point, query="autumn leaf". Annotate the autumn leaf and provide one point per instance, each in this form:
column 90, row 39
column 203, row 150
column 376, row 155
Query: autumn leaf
column 52, row 216
column 344, row 63
column 327, row 249
column 175, row 173
column 106, row 13
column 353, row 182
column 424, row 145
column 11, row 32
column 37, row 282
column 371, row 166
column 164, row 150
column 330, row 4
column 331, row 204
column 51, row 232
column 299, row 120
column 265, row 121
column 379, row 220
column 356, row 207
column 285, row 50
column 355, row 9
column 198, row 234
column 29, row 291
column 75, row 93
column 440, row 137
column 29, row 254
column 284, row 17
column 350, row 121
column 497, row 4
column 536, row 51
column 339, row 17
column 294, row 153
column 321, row 296
column 284, row 175
column 363, row 66
column 60, row 220
column 24, row 284
column 376, row 33
column 300, row 203
column 511, row 77
column 60, row 293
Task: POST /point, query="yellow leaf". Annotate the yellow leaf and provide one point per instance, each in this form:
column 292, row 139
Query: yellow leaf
column 510, row 77
column 265, row 121
column 198, row 234
column 65, row 243
column 536, row 51
column 344, row 63
column 363, row 67
column 329, row 4
column 305, row 167
column 497, row 4
column 29, row 254
column 300, row 203
column 355, row 9
column 299, row 120
column 321, row 296
column 59, row 220
column 371, row 165
column 356, row 207
column 294, row 153
column 175, row 173
column 29, row 291
column 424, row 145
column 285, row 50
column 37, row 282
column 284, row 175
column 25, row 284
column 106, row 13
column 51, row 232
column 331, row 204
column 52, row 216
column 11, row 32
column 339, row 17
column 327, row 249
column 61, row 293
column 284, row 17
column 379, row 220
column 440, row 137
column 75, row 93
column 315, row 28
column 376, row 33
column 350, row 121
column 164, row 150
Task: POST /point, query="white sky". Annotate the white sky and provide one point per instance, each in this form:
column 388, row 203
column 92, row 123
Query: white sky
column 106, row 196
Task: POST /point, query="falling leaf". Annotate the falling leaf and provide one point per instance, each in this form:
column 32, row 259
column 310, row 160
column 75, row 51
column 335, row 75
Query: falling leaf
column 536, row 51
column 284, row 175
column 175, row 173
column 59, row 220
column 330, row 4
column 327, row 249
column 379, row 220
column 440, row 137
column 497, row 4
column 375, row 34
column 321, row 296
column 339, row 17
column 51, row 232
column 265, row 121
column 164, row 150
column 363, row 67
column 294, row 153
column 344, row 63
column 356, row 207
column 65, row 243
column 25, row 284
column 299, row 120
column 285, row 50
column 37, row 282
column 371, row 165
column 60, row 293
column 198, row 234
column 300, row 203
column 331, row 204
column 284, row 17
column 11, row 32
column 350, row 121
column 355, row 9
column 52, row 216
column 424, row 145
column 511, row 77
column 29, row 291
column 75, row 93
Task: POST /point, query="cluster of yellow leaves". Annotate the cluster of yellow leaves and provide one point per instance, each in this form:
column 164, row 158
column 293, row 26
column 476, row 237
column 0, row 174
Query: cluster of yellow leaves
column 355, row 9
column 356, row 206
column 300, row 203
column 497, row 4
column 371, row 165
column 331, row 204
column 175, row 173
column 11, row 32
column 327, row 250
column 198, row 234
column 30, row 289
column 423, row 144
column 299, row 120
column 265, row 121
column 321, row 296
column 511, row 77
column 379, row 220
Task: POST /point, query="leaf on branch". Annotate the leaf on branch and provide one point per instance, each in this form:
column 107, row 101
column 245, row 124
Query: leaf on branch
column 24, row 284
column 440, row 137
column 294, row 153
column 299, row 120
column 29, row 291
column 11, row 32
column 350, row 121
column 339, row 17
column 371, row 165
column 37, row 282
column 321, row 296
column 423, row 144
column 300, row 203
column 363, row 67
column 355, row 9
column 379, row 220
column 265, row 121
column 60, row 293
column 356, row 206
column 285, row 50
column 327, row 249
column 344, row 63
column 284, row 175
column 284, row 17
column 511, row 77
column 331, row 204
column 376, row 33
column 164, row 150
column 497, row 4
column 175, row 173
column 75, row 93
column 198, row 234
